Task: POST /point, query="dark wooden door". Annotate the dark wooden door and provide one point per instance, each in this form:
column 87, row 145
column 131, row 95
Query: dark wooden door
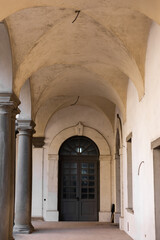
column 78, row 185
column 68, row 191
column 88, row 190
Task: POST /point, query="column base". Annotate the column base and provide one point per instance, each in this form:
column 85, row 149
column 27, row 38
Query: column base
column 23, row 229
column 117, row 217
column 121, row 223
column 52, row 216
column 104, row 216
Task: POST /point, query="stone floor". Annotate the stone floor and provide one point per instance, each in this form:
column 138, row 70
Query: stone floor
column 74, row 231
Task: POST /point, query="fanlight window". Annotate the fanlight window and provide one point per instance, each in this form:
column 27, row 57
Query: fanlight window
column 79, row 145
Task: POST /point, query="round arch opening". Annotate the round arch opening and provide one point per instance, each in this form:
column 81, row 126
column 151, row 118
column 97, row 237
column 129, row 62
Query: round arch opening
column 78, row 195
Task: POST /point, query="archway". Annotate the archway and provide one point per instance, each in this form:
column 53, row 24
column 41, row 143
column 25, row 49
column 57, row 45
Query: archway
column 51, row 210
column 78, row 180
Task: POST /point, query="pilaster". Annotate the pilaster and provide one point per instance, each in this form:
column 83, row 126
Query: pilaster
column 105, row 188
column 38, row 199
column 52, row 213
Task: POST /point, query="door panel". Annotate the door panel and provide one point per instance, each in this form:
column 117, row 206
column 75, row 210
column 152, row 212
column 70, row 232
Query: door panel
column 78, row 189
column 88, row 187
column 68, row 191
column 69, row 211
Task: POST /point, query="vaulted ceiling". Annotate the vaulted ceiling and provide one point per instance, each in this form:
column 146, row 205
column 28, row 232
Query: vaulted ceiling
column 88, row 55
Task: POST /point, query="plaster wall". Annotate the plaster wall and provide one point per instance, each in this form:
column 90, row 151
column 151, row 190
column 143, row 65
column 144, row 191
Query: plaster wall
column 72, row 115
column 143, row 121
column 61, row 126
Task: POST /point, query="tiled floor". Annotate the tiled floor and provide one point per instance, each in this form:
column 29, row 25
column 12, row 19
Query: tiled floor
column 74, row 231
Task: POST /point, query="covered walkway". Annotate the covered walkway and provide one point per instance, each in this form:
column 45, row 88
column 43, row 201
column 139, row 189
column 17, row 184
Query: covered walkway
column 74, row 231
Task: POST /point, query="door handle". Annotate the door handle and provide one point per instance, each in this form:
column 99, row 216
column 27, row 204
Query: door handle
column 77, row 198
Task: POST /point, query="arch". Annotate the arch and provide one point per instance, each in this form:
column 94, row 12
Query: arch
column 25, row 98
column 6, row 74
column 147, row 9
column 119, row 129
column 71, row 116
column 91, row 133
column 49, row 109
column 102, row 86
column 79, row 146
column 105, row 170
column 111, row 51
column 118, row 169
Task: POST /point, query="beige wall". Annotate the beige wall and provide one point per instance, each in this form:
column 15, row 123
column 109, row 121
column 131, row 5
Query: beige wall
column 71, row 116
column 78, row 120
column 143, row 121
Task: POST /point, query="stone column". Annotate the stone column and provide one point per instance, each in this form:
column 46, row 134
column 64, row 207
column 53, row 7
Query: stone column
column 13, row 174
column 24, row 178
column 8, row 108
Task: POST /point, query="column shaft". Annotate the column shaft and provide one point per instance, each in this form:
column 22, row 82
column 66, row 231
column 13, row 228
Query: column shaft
column 13, row 163
column 24, row 179
column 8, row 105
column 5, row 169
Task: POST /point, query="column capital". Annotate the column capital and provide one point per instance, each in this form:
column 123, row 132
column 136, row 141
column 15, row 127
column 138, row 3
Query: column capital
column 53, row 157
column 38, row 142
column 9, row 101
column 26, row 125
column 105, row 158
column 9, row 98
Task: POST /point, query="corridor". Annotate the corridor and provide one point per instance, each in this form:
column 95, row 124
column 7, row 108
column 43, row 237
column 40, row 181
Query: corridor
column 74, row 231
column 79, row 119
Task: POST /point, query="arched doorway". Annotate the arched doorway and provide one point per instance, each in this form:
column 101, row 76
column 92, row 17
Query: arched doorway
column 78, row 180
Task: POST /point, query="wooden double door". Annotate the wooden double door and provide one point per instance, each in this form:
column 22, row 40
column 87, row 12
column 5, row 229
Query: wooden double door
column 78, row 188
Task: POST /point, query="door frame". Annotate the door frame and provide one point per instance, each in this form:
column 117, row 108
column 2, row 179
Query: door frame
column 105, row 159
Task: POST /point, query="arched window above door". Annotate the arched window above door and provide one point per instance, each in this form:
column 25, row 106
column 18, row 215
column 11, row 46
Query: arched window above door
column 79, row 145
